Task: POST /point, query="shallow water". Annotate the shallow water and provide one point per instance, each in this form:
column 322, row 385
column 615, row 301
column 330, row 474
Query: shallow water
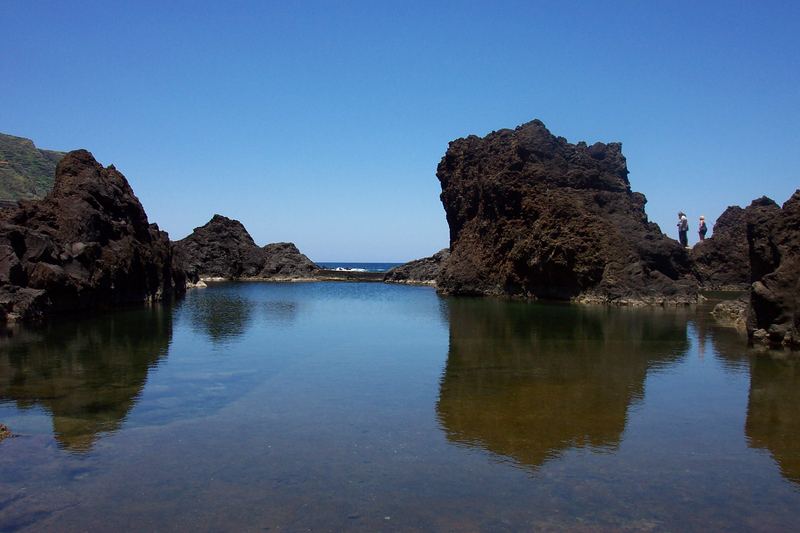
column 364, row 406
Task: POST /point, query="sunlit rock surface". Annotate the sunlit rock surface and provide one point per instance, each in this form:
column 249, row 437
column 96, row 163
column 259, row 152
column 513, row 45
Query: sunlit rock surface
column 773, row 236
column 533, row 215
column 86, row 245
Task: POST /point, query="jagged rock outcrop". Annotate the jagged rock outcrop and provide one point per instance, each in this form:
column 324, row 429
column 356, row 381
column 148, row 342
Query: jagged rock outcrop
column 282, row 260
column 26, row 172
column 223, row 249
column 722, row 261
column 88, row 244
column 532, row 215
column 773, row 236
column 418, row 272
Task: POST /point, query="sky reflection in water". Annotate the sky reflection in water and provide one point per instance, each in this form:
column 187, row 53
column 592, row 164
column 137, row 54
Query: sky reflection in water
column 367, row 406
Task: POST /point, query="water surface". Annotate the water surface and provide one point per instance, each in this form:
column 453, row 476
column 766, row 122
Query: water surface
column 365, row 406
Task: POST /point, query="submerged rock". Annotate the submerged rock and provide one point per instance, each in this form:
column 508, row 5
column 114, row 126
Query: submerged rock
column 418, row 272
column 532, row 215
column 223, row 249
column 5, row 432
column 86, row 245
column 773, row 236
column 722, row 262
column 732, row 313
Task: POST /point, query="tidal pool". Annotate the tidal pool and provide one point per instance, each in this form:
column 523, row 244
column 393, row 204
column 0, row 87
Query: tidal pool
column 363, row 406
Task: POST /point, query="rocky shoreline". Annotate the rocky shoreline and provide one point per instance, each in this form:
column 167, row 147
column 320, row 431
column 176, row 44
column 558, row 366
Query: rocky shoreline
column 531, row 216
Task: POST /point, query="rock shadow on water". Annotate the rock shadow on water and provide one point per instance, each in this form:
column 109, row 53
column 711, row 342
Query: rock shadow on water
column 223, row 314
column 87, row 374
column 280, row 311
column 773, row 417
column 528, row 382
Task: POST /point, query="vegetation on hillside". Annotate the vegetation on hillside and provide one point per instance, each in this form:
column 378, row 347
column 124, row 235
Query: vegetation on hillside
column 25, row 171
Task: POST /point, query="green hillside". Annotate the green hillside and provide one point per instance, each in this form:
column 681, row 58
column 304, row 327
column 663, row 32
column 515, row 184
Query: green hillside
column 25, row 171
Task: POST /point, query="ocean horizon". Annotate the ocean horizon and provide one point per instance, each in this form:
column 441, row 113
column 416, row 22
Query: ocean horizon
column 357, row 266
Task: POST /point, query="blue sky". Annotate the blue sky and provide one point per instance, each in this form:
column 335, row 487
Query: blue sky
column 322, row 122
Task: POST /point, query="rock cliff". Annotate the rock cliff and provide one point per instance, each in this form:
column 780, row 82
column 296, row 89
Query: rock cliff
column 532, row 215
column 223, row 248
column 87, row 244
column 418, row 272
column 773, row 237
column 721, row 262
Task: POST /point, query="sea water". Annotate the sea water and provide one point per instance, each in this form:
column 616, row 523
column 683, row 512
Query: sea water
column 364, row 406
column 358, row 267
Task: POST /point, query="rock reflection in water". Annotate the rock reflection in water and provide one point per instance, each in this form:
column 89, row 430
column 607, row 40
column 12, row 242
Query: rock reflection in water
column 773, row 416
column 223, row 314
column 528, row 381
column 88, row 374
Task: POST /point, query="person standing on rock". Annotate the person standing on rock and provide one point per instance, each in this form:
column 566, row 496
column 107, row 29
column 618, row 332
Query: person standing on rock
column 683, row 229
column 703, row 229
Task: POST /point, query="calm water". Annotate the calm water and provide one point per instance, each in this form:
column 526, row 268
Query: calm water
column 364, row 267
column 332, row 406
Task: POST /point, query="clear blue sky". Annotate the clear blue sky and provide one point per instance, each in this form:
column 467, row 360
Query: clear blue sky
column 322, row 122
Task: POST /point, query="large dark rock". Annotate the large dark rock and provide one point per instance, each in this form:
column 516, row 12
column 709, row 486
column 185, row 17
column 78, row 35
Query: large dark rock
column 773, row 236
column 282, row 260
column 420, row 271
column 88, row 244
column 722, row 261
column 224, row 249
column 532, row 215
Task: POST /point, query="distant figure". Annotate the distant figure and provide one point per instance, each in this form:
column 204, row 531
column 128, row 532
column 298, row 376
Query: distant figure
column 683, row 229
column 703, row 228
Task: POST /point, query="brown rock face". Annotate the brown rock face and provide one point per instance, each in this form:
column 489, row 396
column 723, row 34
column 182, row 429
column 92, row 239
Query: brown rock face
column 87, row 244
column 532, row 215
column 282, row 260
column 722, row 261
column 224, row 249
column 420, row 271
column 773, row 236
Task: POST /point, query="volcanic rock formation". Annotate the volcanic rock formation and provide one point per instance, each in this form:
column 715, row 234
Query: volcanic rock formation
column 773, row 236
column 282, row 260
column 87, row 244
column 223, row 248
column 721, row 262
column 418, row 272
column 535, row 216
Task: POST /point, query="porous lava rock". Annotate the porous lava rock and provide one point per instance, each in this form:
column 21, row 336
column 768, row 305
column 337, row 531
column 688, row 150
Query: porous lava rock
column 532, row 215
column 420, row 271
column 773, row 237
column 223, row 249
column 722, row 261
column 282, row 260
column 86, row 245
